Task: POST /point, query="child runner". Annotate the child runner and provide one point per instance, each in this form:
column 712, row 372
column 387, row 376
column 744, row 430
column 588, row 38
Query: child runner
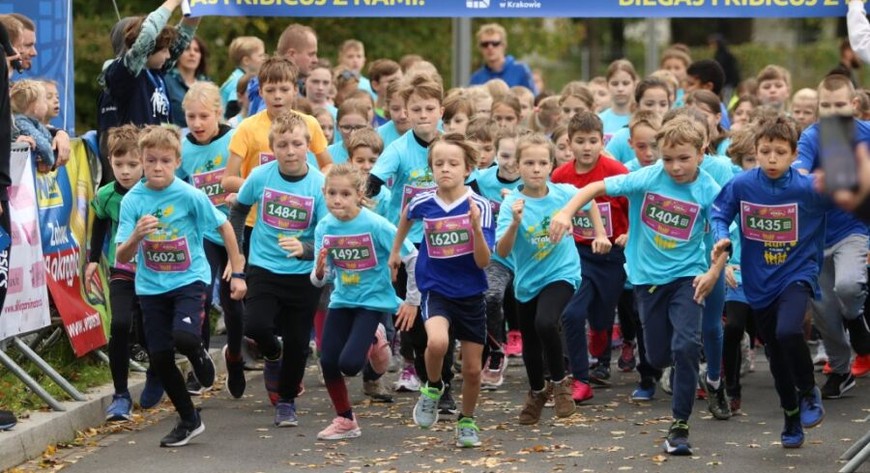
column 162, row 224
column 399, row 123
column 290, row 198
column 774, row 87
column 458, row 233
column 351, row 117
column 126, row 313
column 782, row 220
column 247, row 53
column 564, row 154
column 651, row 95
column 205, row 152
column 349, row 245
column 621, row 81
column 548, row 276
column 506, row 111
column 458, row 110
column 669, row 205
column 494, row 183
column 602, row 274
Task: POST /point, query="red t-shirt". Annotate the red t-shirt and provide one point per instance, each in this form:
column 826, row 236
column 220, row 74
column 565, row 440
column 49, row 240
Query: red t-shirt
column 616, row 208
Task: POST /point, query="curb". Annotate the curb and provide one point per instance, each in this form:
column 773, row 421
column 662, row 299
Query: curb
column 30, row 437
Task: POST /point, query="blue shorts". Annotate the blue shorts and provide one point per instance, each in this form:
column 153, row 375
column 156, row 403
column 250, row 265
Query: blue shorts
column 466, row 315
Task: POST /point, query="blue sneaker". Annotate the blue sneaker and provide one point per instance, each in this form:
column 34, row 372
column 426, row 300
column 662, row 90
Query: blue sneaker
column 7, row 420
column 643, row 393
column 792, row 433
column 285, row 414
column 812, row 412
column 426, row 409
column 121, row 408
column 677, row 441
column 153, row 392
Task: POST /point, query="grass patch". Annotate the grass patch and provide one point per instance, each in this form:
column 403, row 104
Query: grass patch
column 84, row 373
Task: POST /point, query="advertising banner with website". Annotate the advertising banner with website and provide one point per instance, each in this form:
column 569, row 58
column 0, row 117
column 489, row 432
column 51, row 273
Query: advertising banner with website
column 523, row 8
column 64, row 196
column 22, row 274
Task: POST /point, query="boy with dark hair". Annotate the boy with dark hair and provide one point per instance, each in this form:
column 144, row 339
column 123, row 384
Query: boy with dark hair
column 708, row 74
column 782, row 222
column 603, row 275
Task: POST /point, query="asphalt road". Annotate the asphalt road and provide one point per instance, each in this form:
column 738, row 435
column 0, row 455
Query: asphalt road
column 607, row 434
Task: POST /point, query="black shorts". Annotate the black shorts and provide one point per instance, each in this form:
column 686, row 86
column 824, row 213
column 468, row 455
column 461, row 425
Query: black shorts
column 466, row 315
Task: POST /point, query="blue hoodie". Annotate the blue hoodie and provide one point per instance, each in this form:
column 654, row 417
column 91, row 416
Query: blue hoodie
column 782, row 225
column 513, row 72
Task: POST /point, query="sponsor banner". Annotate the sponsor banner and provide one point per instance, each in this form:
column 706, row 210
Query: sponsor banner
column 523, row 8
column 63, row 197
column 22, row 274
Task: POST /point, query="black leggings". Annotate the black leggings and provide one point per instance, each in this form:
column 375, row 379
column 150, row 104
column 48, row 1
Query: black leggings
column 233, row 309
column 738, row 318
column 126, row 314
column 293, row 298
column 540, row 326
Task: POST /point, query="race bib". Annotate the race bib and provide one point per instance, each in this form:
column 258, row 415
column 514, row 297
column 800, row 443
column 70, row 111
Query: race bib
column 769, row 223
column 448, row 237
column 167, row 255
column 668, row 217
column 286, row 211
column 266, row 158
column 496, row 207
column 583, row 222
column 351, row 252
column 409, row 192
column 131, row 267
column 210, row 183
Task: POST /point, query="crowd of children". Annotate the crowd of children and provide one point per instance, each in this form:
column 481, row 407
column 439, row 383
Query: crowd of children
column 385, row 214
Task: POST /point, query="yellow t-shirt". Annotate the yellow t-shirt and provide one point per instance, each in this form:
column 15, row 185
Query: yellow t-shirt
column 251, row 142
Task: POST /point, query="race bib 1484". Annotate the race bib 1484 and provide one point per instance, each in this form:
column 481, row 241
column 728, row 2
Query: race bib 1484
column 286, row 211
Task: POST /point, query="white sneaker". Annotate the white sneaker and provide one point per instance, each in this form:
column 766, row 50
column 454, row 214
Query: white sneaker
column 821, row 356
column 493, row 376
column 408, row 380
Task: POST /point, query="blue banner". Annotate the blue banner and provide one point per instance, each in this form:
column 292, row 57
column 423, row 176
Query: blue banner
column 54, row 46
column 524, row 8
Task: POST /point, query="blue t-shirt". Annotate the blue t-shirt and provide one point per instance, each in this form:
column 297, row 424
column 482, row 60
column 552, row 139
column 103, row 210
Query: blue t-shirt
column 446, row 262
column 171, row 256
column 338, row 152
column 491, row 186
column 382, row 201
column 203, row 167
column 782, row 223
column 140, row 99
column 513, row 73
column 358, row 251
column 618, row 146
column 539, row 261
column 612, row 123
column 405, row 162
column 388, row 133
column 633, row 165
column 287, row 209
column 735, row 294
column 840, row 224
column 667, row 221
column 228, row 88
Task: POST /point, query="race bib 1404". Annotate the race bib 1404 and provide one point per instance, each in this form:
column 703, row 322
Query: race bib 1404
column 669, row 217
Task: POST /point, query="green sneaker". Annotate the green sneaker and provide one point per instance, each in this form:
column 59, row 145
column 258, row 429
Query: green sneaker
column 467, row 433
column 426, row 410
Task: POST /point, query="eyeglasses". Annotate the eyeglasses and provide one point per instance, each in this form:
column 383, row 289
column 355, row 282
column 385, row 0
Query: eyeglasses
column 351, row 128
column 490, row 44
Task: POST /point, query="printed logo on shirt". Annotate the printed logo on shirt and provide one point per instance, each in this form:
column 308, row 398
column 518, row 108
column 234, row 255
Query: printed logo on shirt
column 669, row 218
column 286, row 211
column 171, row 255
column 266, row 158
column 351, row 252
column 538, row 237
column 583, row 227
column 769, row 223
column 448, row 237
column 210, row 183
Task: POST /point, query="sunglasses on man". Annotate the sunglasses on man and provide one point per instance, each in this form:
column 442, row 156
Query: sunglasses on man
column 489, row 44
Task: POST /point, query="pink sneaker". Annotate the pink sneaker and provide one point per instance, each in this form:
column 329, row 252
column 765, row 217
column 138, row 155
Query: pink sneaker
column 581, row 391
column 340, row 428
column 598, row 342
column 380, row 353
column 514, row 346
